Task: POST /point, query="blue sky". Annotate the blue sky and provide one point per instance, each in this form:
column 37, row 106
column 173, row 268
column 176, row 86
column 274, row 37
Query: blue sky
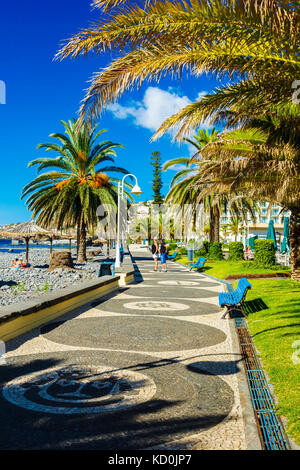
column 41, row 92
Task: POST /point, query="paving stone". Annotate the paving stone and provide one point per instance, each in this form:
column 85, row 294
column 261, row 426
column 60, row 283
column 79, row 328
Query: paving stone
column 149, row 368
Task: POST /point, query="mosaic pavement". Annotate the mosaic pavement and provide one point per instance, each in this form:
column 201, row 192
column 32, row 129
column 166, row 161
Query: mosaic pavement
column 149, row 367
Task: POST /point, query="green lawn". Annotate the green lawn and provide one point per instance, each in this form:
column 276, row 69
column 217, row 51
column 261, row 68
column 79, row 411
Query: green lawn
column 222, row 269
column 275, row 328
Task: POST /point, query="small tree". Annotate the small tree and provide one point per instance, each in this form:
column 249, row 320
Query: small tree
column 157, row 179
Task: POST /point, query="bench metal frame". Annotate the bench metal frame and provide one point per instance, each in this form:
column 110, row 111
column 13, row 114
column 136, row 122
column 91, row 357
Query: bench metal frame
column 229, row 306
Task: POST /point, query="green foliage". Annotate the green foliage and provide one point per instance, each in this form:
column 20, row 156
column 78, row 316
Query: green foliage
column 236, row 251
column 203, row 250
column 215, row 251
column 183, row 250
column 70, row 186
column 172, row 246
column 46, row 287
column 248, row 266
column 264, row 252
column 157, row 180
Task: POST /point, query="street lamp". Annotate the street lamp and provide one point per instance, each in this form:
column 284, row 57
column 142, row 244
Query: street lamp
column 136, row 190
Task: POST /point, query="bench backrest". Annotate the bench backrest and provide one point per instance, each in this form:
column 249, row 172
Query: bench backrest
column 242, row 287
column 201, row 260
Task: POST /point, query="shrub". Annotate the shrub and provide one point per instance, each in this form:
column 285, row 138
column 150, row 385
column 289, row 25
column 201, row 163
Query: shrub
column 172, row 246
column 264, row 252
column 203, row 250
column 183, row 250
column 236, row 251
column 215, row 251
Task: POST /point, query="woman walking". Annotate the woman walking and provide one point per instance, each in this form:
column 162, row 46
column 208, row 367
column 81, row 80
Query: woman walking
column 155, row 249
column 163, row 256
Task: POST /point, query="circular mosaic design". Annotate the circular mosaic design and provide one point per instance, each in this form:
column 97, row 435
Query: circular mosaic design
column 179, row 283
column 187, row 401
column 156, row 307
column 170, row 292
column 137, row 333
column 79, row 389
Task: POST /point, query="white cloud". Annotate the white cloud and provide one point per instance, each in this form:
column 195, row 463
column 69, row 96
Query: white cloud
column 156, row 106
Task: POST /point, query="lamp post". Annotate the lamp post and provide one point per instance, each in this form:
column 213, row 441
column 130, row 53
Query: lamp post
column 135, row 190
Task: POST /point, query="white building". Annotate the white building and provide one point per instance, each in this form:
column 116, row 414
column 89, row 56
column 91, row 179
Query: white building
column 259, row 227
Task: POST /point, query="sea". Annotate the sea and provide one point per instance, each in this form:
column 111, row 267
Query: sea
column 6, row 246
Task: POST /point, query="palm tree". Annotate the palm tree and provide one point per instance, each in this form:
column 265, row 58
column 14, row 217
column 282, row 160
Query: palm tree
column 69, row 194
column 233, row 227
column 185, row 187
column 264, row 163
column 254, row 43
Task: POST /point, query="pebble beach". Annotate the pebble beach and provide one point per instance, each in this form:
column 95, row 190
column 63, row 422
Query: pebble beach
column 20, row 285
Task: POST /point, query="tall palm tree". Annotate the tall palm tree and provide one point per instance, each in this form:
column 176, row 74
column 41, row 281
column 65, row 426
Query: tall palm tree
column 77, row 184
column 185, row 187
column 264, row 163
column 254, row 43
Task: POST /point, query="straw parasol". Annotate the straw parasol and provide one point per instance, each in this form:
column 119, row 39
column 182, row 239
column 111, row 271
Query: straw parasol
column 26, row 230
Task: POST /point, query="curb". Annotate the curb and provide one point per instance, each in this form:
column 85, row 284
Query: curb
column 252, row 436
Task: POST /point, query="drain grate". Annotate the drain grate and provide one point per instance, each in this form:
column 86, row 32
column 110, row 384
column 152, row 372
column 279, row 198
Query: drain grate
column 271, row 430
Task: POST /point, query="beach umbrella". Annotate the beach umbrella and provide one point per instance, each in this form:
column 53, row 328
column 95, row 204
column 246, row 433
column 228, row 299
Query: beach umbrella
column 251, row 242
column 26, row 230
column 271, row 233
column 285, row 245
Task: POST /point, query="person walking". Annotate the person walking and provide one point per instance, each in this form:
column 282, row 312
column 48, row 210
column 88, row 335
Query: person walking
column 163, row 256
column 155, row 253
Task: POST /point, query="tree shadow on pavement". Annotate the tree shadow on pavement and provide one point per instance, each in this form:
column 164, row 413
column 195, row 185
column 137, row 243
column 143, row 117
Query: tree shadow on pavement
column 144, row 425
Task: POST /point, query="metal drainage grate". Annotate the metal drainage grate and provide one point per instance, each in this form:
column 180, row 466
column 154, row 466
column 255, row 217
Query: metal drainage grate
column 271, row 430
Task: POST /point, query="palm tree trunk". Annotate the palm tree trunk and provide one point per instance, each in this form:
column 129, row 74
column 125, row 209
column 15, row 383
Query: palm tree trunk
column 295, row 243
column 214, row 232
column 27, row 250
column 81, row 241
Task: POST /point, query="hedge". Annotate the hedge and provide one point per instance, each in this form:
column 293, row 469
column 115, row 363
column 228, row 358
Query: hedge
column 215, row 251
column 236, row 251
column 264, row 252
column 203, row 250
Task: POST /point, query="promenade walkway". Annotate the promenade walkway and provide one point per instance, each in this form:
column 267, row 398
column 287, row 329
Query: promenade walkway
column 152, row 366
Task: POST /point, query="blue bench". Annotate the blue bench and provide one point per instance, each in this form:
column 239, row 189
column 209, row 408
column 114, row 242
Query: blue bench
column 173, row 256
column 199, row 263
column 228, row 300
